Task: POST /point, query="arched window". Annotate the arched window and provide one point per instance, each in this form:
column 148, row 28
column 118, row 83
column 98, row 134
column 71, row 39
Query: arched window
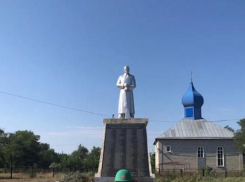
column 220, row 157
column 200, row 152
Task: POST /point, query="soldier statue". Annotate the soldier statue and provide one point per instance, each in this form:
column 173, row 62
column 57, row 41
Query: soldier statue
column 126, row 83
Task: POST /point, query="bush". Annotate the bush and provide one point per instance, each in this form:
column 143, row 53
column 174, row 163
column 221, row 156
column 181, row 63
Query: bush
column 207, row 170
column 32, row 173
column 78, row 177
column 167, row 178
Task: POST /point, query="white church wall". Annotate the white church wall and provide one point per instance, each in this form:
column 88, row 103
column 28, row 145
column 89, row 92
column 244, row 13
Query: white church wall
column 185, row 151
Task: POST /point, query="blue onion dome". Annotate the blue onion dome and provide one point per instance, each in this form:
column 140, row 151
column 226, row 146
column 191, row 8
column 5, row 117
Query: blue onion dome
column 192, row 98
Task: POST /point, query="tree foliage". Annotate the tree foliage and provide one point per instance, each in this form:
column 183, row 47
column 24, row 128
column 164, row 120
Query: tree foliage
column 239, row 136
column 23, row 148
column 152, row 157
column 92, row 159
column 229, row 128
column 46, row 155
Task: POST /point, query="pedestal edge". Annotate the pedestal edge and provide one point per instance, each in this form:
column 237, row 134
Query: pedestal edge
column 120, row 120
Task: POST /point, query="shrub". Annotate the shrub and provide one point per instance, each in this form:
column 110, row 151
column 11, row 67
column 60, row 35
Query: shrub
column 78, row 177
column 207, row 170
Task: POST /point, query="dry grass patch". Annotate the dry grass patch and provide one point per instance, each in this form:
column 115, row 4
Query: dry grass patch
column 40, row 177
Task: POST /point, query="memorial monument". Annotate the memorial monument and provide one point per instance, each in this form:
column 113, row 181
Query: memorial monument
column 125, row 139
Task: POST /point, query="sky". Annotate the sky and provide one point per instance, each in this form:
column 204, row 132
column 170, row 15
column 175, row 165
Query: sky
column 71, row 53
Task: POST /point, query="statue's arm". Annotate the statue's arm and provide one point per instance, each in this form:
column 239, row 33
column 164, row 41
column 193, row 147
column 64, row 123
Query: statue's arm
column 119, row 83
column 133, row 85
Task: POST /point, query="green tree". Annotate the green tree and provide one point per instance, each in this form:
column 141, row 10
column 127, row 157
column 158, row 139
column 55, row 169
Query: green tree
column 152, row 157
column 229, row 128
column 82, row 151
column 23, row 148
column 3, row 146
column 77, row 158
column 92, row 159
column 46, row 155
column 64, row 160
column 239, row 136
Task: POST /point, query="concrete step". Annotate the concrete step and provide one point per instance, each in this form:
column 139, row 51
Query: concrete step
column 111, row 179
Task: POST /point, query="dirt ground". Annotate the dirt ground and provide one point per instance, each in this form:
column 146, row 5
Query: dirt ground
column 40, row 177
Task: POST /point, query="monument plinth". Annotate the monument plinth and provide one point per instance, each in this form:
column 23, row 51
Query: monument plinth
column 125, row 139
column 125, row 147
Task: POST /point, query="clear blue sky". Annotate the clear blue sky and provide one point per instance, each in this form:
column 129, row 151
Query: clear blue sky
column 71, row 53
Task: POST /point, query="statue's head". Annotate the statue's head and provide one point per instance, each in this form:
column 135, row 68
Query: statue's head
column 126, row 69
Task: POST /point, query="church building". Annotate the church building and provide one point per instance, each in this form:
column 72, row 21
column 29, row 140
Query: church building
column 195, row 143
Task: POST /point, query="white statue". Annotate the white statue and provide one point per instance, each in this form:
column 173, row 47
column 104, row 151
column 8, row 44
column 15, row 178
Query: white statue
column 126, row 83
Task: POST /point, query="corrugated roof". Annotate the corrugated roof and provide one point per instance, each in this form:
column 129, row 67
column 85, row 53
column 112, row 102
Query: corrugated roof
column 192, row 129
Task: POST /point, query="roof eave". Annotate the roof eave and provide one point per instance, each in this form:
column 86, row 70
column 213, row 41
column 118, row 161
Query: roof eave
column 194, row 138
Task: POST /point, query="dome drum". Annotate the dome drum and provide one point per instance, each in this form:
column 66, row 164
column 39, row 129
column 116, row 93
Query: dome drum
column 193, row 113
column 192, row 102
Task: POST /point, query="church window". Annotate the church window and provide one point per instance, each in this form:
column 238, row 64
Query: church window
column 168, row 148
column 200, row 152
column 220, row 157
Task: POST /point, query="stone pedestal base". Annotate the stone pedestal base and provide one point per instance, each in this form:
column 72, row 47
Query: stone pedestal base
column 125, row 147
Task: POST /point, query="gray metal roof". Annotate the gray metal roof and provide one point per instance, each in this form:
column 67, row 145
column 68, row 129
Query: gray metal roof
column 196, row 129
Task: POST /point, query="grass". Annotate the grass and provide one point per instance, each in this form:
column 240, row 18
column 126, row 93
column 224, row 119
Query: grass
column 76, row 177
column 198, row 178
column 23, row 177
column 48, row 177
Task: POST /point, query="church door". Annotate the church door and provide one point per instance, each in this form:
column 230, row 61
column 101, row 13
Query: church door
column 201, row 159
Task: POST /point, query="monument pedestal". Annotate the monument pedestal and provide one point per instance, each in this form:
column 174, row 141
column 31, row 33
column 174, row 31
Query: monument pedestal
column 124, row 147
